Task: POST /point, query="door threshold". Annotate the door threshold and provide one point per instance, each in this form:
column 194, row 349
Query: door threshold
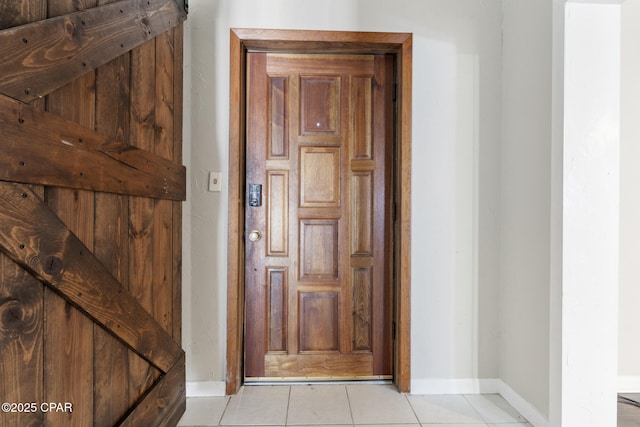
column 378, row 380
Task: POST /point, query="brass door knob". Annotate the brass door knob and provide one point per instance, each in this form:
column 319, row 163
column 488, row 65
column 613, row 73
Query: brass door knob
column 255, row 235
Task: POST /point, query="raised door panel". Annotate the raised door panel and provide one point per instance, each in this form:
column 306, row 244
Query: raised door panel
column 319, row 250
column 319, row 177
column 320, row 105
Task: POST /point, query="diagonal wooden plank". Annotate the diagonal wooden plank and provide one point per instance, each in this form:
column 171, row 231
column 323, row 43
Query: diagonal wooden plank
column 163, row 404
column 34, row 237
column 42, row 56
column 42, row 148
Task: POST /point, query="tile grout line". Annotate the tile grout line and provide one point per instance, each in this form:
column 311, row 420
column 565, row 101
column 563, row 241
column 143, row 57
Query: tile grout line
column 346, row 390
column 224, row 411
column 484, row 420
column 286, row 415
column 415, row 414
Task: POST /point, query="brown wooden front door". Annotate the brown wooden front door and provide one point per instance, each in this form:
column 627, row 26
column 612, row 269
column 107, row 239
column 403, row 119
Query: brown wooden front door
column 318, row 272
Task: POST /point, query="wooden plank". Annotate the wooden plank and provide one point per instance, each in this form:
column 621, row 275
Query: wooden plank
column 140, row 244
column 21, row 340
column 21, row 295
column 36, row 239
column 177, row 272
column 68, row 361
column 42, row 56
column 111, row 364
column 163, row 212
column 111, row 358
column 162, row 405
column 177, row 158
column 41, row 148
column 14, row 13
column 162, row 265
column 141, row 210
column 68, row 332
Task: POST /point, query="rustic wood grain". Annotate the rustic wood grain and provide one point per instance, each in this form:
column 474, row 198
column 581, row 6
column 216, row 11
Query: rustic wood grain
column 163, row 212
column 68, row 332
column 21, row 342
column 164, row 403
column 35, row 238
column 111, row 364
column 111, row 357
column 42, row 56
column 21, row 295
column 178, row 54
column 68, row 361
column 141, row 276
column 141, row 210
column 14, row 13
column 76, row 357
column 41, row 148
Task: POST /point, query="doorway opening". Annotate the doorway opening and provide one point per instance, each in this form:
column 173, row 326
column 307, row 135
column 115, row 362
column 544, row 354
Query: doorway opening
column 399, row 45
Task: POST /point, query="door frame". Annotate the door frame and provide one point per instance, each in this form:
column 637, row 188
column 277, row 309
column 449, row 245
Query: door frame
column 243, row 40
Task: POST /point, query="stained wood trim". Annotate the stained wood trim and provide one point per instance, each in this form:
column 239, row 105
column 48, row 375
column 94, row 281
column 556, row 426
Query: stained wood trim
column 235, row 244
column 399, row 44
column 34, row 237
column 45, row 55
column 42, row 148
column 322, row 41
column 402, row 356
column 152, row 409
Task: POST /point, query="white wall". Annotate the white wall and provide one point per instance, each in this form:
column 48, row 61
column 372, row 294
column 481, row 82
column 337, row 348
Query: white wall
column 526, row 199
column 456, row 140
column 590, row 214
column 629, row 338
column 456, row 173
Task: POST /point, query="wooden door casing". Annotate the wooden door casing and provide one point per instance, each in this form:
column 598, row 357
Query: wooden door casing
column 91, row 185
column 243, row 40
column 318, row 284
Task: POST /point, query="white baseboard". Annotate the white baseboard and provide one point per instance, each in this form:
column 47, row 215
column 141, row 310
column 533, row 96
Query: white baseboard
column 481, row 386
column 205, row 388
column 523, row 406
column 628, row 384
column 455, row 386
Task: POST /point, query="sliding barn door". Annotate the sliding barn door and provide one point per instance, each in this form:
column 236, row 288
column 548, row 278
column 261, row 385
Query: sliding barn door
column 91, row 184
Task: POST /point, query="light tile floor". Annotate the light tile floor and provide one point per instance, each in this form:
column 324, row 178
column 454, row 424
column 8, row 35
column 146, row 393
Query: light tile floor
column 348, row 405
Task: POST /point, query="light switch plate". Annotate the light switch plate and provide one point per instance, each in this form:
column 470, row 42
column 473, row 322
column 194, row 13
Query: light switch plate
column 215, row 181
